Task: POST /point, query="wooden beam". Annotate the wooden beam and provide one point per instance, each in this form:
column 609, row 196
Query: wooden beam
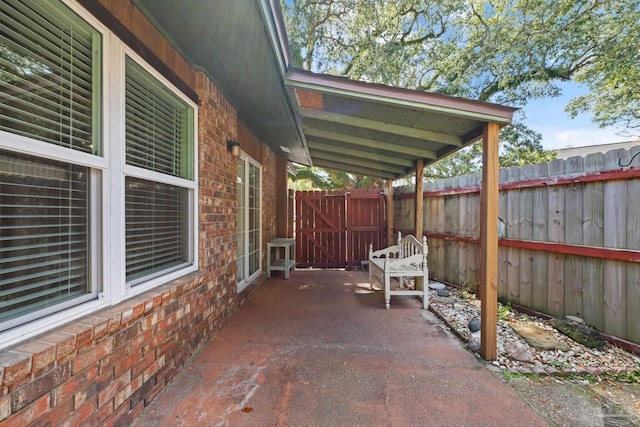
column 316, row 146
column 389, row 212
column 371, row 143
column 346, row 167
column 419, row 197
column 489, row 243
column 381, row 126
column 335, row 157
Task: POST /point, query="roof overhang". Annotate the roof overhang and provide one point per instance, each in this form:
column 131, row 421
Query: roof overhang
column 322, row 120
column 381, row 131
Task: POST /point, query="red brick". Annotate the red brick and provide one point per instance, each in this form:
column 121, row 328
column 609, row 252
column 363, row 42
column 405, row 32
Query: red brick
column 29, row 414
column 43, row 355
column 153, row 368
column 83, row 333
column 77, row 382
column 113, row 388
column 65, row 345
column 58, row 413
column 5, row 407
column 142, row 364
column 127, row 364
column 142, row 338
column 17, row 367
column 37, row 388
column 115, row 358
column 79, row 416
column 126, row 335
column 92, row 355
column 121, row 397
column 100, row 326
column 82, row 396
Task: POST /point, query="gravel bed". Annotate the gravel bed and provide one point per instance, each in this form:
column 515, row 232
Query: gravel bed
column 515, row 354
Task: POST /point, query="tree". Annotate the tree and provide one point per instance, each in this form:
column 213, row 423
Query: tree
column 506, row 51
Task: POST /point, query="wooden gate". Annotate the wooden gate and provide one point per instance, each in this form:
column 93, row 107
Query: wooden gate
column 334, row 228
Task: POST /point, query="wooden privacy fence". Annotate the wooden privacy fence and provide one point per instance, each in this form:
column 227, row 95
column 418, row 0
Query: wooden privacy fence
column 570, row 237
column 334, row 228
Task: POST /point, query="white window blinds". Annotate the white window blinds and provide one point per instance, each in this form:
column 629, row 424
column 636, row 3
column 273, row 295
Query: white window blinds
column 158, row 126
column 44, row 234
column 159, row 138
column 49, row 74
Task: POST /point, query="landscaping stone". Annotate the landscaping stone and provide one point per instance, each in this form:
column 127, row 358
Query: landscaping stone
column 518, row 351
column 436, row 286
column 539, row 338
column 580, row 333
column 443, row 293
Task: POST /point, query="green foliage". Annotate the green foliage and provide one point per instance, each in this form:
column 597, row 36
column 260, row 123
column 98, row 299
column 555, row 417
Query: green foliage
column 504, row 310
column 312, row 178
column 520, row 146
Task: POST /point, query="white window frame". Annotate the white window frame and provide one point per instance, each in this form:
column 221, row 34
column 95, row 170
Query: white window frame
column 107, row 199
column 242, row 284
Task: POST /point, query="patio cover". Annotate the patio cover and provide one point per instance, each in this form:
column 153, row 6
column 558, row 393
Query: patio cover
column 334, row 122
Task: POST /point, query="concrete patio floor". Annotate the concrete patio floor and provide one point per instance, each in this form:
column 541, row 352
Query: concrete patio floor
column 319, row 349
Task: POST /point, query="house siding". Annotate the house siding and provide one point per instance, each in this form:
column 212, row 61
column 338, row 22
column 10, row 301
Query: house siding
column 103, row 369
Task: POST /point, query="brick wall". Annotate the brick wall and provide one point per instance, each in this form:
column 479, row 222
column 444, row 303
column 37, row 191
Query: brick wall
column 105, row 368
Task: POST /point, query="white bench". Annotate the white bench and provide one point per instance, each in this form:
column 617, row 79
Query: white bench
column 406, row 259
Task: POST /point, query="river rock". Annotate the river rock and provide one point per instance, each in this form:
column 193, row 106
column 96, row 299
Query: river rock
column 474, row 325
column 518, row 351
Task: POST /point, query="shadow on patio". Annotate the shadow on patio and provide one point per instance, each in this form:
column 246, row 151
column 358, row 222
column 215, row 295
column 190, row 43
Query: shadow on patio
column 319, row 349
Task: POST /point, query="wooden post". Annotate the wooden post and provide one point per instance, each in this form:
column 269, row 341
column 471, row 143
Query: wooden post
column 282, row 217
column 389, row 212
column 489, row 243
column 290, row 209
column 419, row 207
column 419, row 197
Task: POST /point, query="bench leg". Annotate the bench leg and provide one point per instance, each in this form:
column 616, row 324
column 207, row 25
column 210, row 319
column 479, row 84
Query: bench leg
column 387, row 290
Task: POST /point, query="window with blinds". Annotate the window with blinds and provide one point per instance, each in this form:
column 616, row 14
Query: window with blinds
column 50, row 90
column 159, row 138
column 44, row 235
column 49, row 74
column 159, row 125
column 156, row 228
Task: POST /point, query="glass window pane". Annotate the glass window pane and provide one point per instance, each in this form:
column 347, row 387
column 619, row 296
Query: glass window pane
column 44, row 234
column 159, row 125
column 156, row 228
column 50, row 64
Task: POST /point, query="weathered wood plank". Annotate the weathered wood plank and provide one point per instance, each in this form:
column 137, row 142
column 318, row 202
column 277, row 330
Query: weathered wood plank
column 462, row 230
column 573, row 283
column 513, row 232
column 556, row 214
column 615, row 236
column 526, row 233
column 633, row 269
column 593, row 235
column 503, row 284
column 540, row 233
column 451, row 226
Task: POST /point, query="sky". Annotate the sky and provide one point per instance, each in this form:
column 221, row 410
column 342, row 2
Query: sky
column 559, row 130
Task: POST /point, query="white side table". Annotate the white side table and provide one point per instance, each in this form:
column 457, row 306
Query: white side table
column 286, row 264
